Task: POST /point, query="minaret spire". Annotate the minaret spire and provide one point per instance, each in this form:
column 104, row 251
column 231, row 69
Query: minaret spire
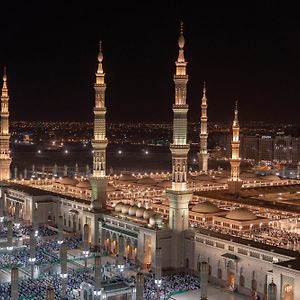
column 181, row 63
column 5, row 159
column 235, row 183
column 203, row 155
column 236, row 113
column 179, row 195
column 99, row 179
column 100, row 74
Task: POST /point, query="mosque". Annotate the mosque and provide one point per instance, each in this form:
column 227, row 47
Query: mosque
column 173, row 214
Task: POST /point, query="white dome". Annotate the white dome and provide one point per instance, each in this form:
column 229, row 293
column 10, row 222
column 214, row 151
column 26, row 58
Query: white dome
column 155, row 220
column 125, row 208
column 241, row 214
column 68, row 181
column 148, row 213
column 119, row 206
column 205, row 208
column 127, row 177
column 165, row 184
column 270, row 177
column 132, row 210
column 140, row 212
column 222, row 180
column 247, row 175
column 200, row 177
column 147, row 180
column 84, row 184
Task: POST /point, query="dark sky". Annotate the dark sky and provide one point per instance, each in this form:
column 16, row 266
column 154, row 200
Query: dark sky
column 247, row 53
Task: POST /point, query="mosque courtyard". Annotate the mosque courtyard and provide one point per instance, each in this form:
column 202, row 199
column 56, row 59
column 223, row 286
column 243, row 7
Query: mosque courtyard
column 214, row 293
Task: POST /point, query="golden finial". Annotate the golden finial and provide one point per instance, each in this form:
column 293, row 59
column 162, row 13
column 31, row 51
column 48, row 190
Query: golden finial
column 181, row 27
column 204, row 88
column 236, row 111
column 4, row 75
column 181, row 41
column 100, row 55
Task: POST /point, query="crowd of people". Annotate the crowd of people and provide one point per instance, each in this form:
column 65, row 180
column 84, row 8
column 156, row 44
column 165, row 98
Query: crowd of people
column 36, row 289
column 20, row 258
column 267, row 235
column 47, row 250
column 42, row 231
column 73, row 242
column 170, row 284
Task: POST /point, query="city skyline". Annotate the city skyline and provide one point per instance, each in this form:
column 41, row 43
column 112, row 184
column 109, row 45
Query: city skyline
column 50, row 55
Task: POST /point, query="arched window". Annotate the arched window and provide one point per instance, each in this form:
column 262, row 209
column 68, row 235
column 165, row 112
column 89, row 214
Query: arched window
column 219, row 273
column 242, row 280
column 187, row 263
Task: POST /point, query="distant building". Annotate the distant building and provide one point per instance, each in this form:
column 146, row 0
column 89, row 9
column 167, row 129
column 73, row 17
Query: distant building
column 266, row 148
column 295, row 151
column 251, row 147
column 282, row 148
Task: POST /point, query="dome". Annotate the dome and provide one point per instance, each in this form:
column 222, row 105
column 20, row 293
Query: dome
column 140, row 212
column 222, row 180
column 148, row 213
column 165, row 184
column 200, row 177
column 247, row 175
column 125, row 208
column 127, row 177
column 205, row 208
column 155, row 220
column 110, row 188
column 68, row 181
column 84, row 184
column 132, row 210
column 119, row 206
column 270, row 177
column 147, row 180
column 241, row 214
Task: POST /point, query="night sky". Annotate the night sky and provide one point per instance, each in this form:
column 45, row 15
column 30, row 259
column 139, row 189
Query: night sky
column 250, row 54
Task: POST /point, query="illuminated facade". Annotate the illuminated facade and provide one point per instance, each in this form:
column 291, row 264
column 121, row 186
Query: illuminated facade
column 235, row 183
column 5, row 158
column 99, row 179
column 179, row 195
column 203, row 155
column 135, row 227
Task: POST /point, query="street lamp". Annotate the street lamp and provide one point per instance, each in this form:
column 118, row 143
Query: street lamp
column 157, row 282
column 120, row 267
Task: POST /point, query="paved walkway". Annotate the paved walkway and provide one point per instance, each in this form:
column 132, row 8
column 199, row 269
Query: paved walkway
column 213, row 294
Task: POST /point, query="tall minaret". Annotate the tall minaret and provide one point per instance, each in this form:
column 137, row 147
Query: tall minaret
column 180, row 147
column 235, row 183
column 5, row 159
column 179, row 195
column 99, row 179
column 203, row 155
